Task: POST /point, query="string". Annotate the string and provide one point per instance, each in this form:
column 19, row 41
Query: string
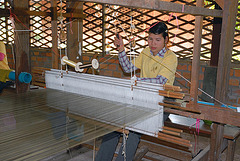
column 79, row 43
column 31, row 123
column 183, row 8
column 170, row 17
column 12, row 14
column 131, row 46
column 67, row 123
column 66, row 54
column 186, row 80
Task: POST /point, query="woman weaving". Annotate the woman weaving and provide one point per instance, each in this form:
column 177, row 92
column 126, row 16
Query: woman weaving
column 158, row 65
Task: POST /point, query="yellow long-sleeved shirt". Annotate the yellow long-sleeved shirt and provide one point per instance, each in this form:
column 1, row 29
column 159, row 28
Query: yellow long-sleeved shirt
column 152, row 66
column 4, row 62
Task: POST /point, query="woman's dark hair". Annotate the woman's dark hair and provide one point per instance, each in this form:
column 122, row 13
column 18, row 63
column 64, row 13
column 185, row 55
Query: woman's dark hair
column 159, row 28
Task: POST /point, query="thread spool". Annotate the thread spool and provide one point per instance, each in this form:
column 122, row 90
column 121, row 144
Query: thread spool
column 79, row 66
column 23, row 77
column 94, row 65
column 71, row 63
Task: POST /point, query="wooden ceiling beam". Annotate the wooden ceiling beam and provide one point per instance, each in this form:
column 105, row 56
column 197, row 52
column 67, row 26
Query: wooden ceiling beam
column 6, row 13
column 162, row 6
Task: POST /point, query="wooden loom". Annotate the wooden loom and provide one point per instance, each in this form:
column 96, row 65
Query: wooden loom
column 34, row 128
column 143, row 95
column 225, row 116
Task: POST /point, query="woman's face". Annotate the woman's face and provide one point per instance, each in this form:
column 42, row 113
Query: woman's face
column 156, row 42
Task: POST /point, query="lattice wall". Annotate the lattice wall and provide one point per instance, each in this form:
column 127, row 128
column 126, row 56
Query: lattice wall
column 6, row 32
column 117, row 18
column 41, row 35
column 102, row 21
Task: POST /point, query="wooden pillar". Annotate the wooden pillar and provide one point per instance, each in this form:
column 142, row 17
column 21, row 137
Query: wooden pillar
column 225, row 55
column 55, row 55
column 226, row 47
column 231, row 150
column 216, row 36
column 103, row 30
column 21, row 45
column 196, row 56
column 216, row 142
column 75, row 32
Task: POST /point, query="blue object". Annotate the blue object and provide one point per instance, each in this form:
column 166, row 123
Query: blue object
column 229, row 106
column 212, row 104
column 12, row 75
column 23, row 77
column 205, row 103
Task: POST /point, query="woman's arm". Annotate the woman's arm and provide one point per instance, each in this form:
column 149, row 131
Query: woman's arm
column 159, row 80
column 122, row 56
column 127, row 66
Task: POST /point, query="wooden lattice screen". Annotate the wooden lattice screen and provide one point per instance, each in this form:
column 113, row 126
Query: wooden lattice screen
column 117, row 18
column 102, row 21
column 41, row 35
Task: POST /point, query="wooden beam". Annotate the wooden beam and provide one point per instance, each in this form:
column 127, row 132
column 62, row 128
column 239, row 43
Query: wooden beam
column 220, row 3
column 161, row 6
column 203, row 155
column 140, row 153
column 166, row 151
column 21, row 46
column 226, row 48
column 24, row 12
column 213, row 113
column 196, row 56
column 55, row 55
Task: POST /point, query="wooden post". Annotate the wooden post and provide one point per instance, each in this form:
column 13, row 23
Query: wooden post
column 103, row 30
column 196, row 57
column 55, row 55
column 21, row 45
column 226, row 47
column 225, row 55
column 216, row 36
column 231, row 150
column 74, row 32
column 216, row 142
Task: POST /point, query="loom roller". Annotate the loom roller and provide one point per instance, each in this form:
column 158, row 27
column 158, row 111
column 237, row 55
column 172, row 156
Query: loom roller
column 79, row 67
